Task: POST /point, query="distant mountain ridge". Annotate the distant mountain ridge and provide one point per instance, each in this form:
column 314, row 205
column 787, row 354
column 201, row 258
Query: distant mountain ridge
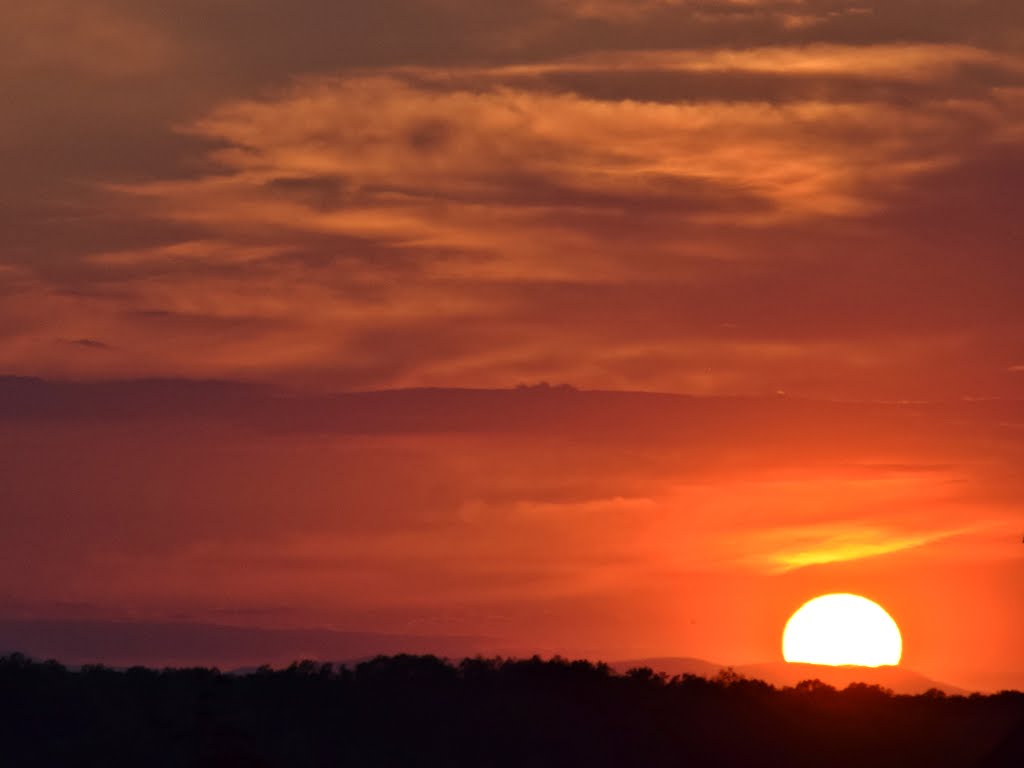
column 157, row 644
column 782, row 674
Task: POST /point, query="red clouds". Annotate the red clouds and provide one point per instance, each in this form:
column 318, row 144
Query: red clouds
column 472, row 198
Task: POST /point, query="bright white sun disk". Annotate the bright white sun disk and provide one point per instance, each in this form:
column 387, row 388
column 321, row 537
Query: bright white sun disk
column 842, row 629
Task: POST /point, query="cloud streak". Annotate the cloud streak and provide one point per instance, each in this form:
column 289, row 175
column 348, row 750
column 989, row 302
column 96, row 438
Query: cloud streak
column 421, row 195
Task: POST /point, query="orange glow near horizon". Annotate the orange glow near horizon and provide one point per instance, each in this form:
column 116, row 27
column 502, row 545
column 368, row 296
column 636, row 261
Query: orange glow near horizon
column 842, row 630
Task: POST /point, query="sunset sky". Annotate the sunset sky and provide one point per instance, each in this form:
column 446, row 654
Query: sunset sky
column 799, row 222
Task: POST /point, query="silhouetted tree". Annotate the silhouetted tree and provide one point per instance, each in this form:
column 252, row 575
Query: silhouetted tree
column 486, row 713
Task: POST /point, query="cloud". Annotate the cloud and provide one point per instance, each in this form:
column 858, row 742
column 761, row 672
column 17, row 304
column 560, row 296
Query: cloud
column 474, row 224
column 529, row 177
column 830, row 543
column 894, row 61
column 612, row 10
column 720, row 205
column 786, row 14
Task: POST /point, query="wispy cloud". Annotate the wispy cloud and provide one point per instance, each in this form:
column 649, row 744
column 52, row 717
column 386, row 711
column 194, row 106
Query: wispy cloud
column 484, row 170
column 896, row 62
column 705, row 211
column 831, row 543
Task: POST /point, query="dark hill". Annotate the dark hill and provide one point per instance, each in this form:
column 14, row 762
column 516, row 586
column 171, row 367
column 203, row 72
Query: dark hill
column 782, row 675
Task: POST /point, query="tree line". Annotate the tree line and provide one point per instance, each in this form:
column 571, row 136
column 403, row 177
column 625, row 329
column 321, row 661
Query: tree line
column 422, row 711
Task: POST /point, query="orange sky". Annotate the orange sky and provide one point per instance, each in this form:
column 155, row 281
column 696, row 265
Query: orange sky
column 714, row 198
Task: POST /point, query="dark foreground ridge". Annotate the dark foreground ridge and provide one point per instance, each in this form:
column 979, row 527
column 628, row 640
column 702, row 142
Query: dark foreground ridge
column 422, row 711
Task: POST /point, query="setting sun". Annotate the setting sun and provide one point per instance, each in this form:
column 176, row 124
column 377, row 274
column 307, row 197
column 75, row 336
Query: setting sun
column 842, row 629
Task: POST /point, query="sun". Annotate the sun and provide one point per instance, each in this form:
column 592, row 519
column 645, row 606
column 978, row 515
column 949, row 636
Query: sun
column 840, row 630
